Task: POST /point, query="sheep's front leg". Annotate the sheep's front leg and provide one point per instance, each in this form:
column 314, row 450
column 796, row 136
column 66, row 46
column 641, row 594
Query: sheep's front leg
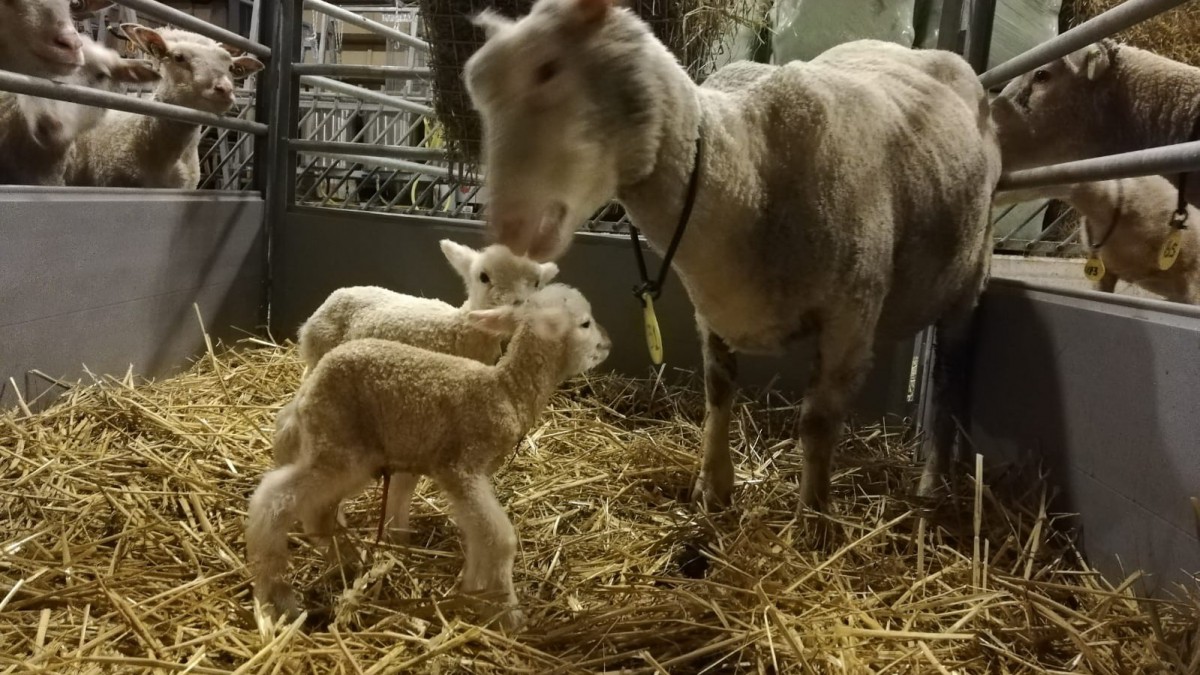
column 951, row 370
column 398, row 502
column 272, row 511
column 489, row 540
column 714, row 487
column 844, row 356
column 1106, row 283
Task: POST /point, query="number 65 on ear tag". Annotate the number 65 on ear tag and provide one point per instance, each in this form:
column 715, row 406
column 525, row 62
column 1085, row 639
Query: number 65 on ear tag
column 1170, row 250
column 653, row 336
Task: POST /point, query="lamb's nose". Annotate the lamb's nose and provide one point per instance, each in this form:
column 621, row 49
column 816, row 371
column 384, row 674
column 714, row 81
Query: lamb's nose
column 69, row 40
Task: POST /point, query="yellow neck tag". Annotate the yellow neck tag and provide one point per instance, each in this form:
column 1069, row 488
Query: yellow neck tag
column 1093, row 269
column 1170, row 250
column 653, row 336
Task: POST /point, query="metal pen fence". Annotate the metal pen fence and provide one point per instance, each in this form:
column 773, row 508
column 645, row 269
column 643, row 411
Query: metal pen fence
column 226, row 146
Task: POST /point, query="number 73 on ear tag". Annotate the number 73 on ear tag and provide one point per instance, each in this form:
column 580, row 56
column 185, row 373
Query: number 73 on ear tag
column 653, row 336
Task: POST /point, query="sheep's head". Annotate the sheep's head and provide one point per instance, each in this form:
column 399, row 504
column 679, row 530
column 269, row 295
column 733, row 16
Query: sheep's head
column 494, row 277
column 56, row 124
column 38, row 37
column 1056, row 113
column 557, row 314
column 197, row 72
column 557, row 92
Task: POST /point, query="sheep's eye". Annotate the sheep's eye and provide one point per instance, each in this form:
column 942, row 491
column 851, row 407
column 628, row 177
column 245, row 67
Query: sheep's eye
column 101, row 77
column 484, row 278
column 76, row 5
column 180, row 58
column 1041, row 75
column 546, row 72
column 586, row 325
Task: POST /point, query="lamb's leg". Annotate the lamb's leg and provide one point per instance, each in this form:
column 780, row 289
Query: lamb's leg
column 489, row 540
column 714, row 487
column 320, row 513
column 272, row 510
column 398, row 503
column 844, row 355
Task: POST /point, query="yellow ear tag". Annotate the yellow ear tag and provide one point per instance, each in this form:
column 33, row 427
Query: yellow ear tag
column 1170, row 250
column 653, row 336
column 1093, row 269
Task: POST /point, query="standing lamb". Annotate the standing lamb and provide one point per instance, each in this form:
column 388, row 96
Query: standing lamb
column 493, row 277
column 1104, row 99
column 38, row 37
column 847, row 197
column 376, row 407
column 36, row 134
column 129, row 150
column 1129, row 220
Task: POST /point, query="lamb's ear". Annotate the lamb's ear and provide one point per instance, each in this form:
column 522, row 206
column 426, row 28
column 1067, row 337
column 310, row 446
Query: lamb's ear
column 135, row 70
column 550, row 324
column 460, row 257
column 147, row 39
column 244, row 66
column 547, row 272
column 233, row 51
column 500, row 321
column 491, row 21
column 592, row 12
column 1092, row 61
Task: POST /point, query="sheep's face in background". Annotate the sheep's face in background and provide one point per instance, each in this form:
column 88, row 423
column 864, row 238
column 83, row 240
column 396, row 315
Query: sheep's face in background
column 39, row 37
column 196, row 72
column 1052, row 114
column 554, row 92
column 589, row 344
column 494, row 277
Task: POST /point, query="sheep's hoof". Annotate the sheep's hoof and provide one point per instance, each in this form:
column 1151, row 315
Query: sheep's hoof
column 397, row 536
column 933, row 482
column 813, row 494
column 713, row 492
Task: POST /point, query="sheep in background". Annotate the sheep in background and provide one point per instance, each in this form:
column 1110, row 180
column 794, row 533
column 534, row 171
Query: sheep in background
column 847, row 197
column 376, row 407
column 1104, row 99
column 1130, row 219
column 38, row 37
column 37, row 134
column 129, row 150
column 492, row 277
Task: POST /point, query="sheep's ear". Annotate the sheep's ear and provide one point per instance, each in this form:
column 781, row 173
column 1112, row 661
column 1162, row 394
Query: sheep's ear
column 135, row 70
column 460, row 257
column 547, row 272
column 233, row 51
column 550, row 324
column 147, row 39
column 500, row 321
column 491, row 21
column 590, row 14
column 244, row 66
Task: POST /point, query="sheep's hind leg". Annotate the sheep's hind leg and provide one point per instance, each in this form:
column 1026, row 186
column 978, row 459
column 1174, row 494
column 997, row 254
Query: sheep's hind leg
column 398, row 503
column 844, row 356
column 320, row 514
column 490, row 542
column 714, row 486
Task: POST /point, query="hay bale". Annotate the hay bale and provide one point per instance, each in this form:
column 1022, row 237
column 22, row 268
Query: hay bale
column 123, row 551
column 1173, row 34
column 691, row 29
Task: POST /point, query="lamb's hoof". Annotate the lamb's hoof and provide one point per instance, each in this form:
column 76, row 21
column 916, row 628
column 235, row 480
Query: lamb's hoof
column 814, row 497
column 398, row 537
column 513, row 620
column 277, row 600
column 713, row 492
column 931, row 486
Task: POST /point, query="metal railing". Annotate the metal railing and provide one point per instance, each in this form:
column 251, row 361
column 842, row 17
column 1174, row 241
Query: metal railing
column 226, row 141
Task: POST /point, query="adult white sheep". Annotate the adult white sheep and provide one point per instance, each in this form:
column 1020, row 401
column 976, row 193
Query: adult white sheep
column 375, row 407
column 1104, row 99
column 129, row 150
column 38, row 37
column 37, row 134
column 847, row 197
column 492, row 277
column 1127, row 221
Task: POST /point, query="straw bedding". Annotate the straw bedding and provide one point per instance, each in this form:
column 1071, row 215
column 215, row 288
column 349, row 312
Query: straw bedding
column 123, row 552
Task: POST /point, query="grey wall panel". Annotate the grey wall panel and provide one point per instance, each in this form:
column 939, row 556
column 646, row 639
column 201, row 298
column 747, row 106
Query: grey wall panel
column 1106, row 394
column 107, row 279
column 320, row 251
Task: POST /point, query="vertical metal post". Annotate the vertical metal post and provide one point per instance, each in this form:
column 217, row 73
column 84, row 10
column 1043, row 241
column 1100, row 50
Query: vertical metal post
column 950, row 26
column 980, row 17
column 275, row 172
